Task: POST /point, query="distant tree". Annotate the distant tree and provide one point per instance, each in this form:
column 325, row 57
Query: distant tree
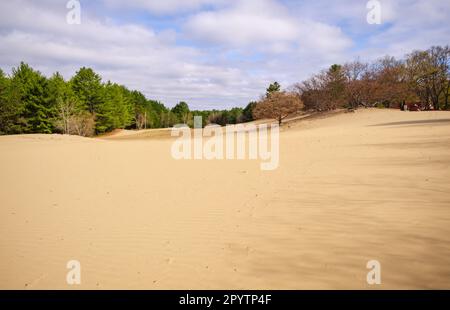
column 235, row 116
column 181, row 110
column 205, row 115
column 313, row 92
column 11, row 106
column 63, row 99
column 156, row 108
column 428, row 74
column 115, row 110
column 83, row 124
column 87, row 86
column 32, row 90
column 390, row 83
column 247, row 113
column 357, row 83
column 217, row 117
column 335, row 87
column 168, row 119
column 324, row 91
column 148, row 113
column 278, row 105
column 446, row 95
column 139, row 103
column 66, row 109
column 274, row 87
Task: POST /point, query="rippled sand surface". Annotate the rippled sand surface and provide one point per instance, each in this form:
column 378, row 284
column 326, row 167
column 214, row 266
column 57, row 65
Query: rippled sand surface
column 370, row 185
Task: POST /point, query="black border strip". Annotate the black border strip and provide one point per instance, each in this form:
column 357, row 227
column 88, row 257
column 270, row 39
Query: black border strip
column 266, row 299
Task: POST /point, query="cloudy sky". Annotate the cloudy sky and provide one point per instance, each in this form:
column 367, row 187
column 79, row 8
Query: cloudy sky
column 212, row 53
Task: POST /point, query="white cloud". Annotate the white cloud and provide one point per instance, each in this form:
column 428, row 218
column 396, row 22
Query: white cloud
column 413, row 25
column 243, row 25
column 224, row 54
column 263, row 25
column 164, row 6
column 406, row 24
column 130, row 54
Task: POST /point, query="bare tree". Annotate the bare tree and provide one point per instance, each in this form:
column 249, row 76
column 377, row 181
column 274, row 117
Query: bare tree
column 66, row 111
column 447, row 94
column 278, row 105
column 428, row 73
column 72, row 121
column 358, row 83
column 335, row 87
column 83, row 124
column 324, row 91
column 390, row 82
column 141, row 120
column 312, row 92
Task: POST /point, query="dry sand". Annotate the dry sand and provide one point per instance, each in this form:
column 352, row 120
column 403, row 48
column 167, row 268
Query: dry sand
column 374, row 184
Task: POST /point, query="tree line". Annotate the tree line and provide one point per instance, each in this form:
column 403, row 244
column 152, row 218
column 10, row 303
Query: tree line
column 421, row 78
column 86, row 106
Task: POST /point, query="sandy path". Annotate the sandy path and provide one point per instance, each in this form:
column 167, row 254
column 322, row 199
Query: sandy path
column 347, row 190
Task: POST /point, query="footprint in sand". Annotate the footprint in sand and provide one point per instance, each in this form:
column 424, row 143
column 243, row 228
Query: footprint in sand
column 169, row 261
column 36, row 281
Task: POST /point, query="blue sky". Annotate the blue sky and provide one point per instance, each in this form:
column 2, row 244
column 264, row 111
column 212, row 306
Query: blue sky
column 212, row 53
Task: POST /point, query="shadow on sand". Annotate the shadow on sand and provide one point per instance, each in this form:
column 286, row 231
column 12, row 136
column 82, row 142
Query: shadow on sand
column 418, row 122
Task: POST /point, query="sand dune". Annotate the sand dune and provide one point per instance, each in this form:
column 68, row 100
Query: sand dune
column 374, row 184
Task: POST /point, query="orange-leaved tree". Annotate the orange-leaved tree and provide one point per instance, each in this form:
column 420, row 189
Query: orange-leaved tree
column 277, row 105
